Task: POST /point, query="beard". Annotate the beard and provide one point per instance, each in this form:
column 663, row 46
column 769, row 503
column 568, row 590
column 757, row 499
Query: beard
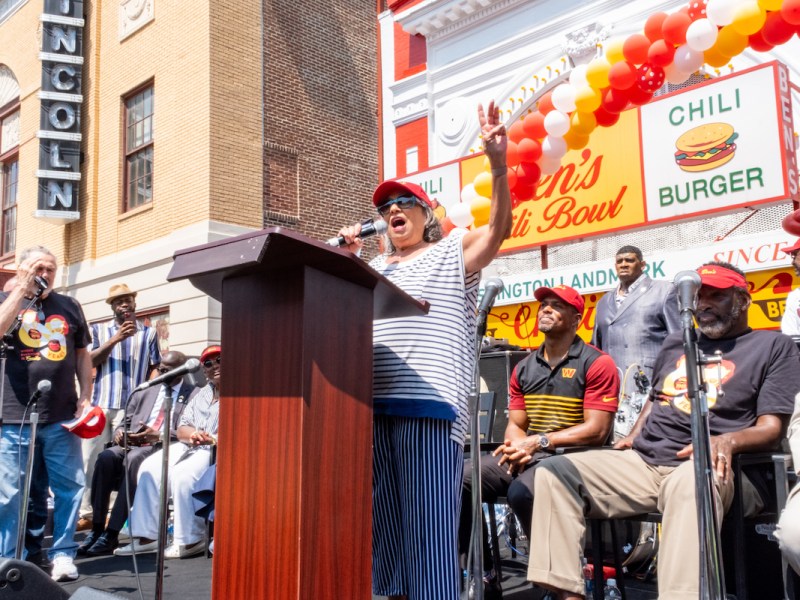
column 723, row 323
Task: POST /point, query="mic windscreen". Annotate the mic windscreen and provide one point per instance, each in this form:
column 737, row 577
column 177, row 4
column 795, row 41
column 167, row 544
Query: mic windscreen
column 192, row 365
column 44, row 385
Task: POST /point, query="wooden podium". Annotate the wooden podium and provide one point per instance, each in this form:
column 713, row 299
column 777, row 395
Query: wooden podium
column 294, row 464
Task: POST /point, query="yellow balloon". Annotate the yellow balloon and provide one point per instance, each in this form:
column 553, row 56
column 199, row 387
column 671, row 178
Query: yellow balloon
column 582, row 123
column 597, row 73
column 613, row 50
column 483, row 184
column 575, row 141
column 480, row 208
column 715, row 58
column 748, row 18
column 770, row 4
column 730, row 42
column 587, row 99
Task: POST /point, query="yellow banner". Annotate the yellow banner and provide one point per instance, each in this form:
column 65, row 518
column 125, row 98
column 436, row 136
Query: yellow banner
column 517, row 322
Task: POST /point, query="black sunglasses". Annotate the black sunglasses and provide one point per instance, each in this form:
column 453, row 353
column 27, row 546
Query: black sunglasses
column 210, row 362
column 163, row 369
column 404, row 202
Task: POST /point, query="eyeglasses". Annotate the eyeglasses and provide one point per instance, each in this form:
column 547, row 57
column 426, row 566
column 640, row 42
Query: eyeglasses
column 210, row 362
column 163, row 369
column 404, row 202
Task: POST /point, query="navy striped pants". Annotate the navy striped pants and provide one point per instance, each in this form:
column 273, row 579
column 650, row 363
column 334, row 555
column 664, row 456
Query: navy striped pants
column 416, row 501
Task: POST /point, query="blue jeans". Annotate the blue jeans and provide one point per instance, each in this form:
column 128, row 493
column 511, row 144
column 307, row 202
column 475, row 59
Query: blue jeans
column 63, row 461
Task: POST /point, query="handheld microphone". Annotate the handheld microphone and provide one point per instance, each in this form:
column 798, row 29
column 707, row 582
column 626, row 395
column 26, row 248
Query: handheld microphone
column 41, row 283
column 687, row 282
column 368, row 229
column 43, row 386
column 491, row 290
column 190, row 366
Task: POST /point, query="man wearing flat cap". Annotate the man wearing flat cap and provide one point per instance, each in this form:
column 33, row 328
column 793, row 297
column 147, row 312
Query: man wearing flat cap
column 124, row 354
column 790, row 322
column 759, row 377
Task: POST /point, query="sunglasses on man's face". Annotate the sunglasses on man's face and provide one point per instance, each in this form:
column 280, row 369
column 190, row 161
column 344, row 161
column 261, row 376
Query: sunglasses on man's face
column 210, row 362
column 404, row 202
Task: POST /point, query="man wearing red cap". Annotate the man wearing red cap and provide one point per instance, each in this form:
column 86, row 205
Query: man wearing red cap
column 790, row 322
column 564, row 394
column 760, row 378
column 50, row 342
column 423, row 368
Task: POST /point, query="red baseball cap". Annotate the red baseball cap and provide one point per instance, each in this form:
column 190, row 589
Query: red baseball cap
column 209, row 352
column 89, row 425
column 566, row 293
column 387, row 188
column 721, row 278
column 794, row 248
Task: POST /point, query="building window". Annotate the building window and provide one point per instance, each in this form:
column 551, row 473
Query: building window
column 9, row 179
column 412, row 160
column 139, row 148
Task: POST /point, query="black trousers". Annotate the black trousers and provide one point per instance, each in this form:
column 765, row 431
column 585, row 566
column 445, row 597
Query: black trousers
column 115, row 470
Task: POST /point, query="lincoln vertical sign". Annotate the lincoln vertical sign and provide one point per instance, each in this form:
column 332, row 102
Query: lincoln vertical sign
column 60, row 123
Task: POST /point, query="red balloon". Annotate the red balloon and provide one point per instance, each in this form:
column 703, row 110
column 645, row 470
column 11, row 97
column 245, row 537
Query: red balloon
column 516, row 133
column 529, row 150
column 546, row 103
column 790, row 11
column 650, row 78
column 522, row 193
column 534, row 125
column 605, row 118
column 652, row 27
column 638, row 96
column 512, row 178
column 528, row 174
column 635, row 48
column 696, row 9
column 776, row 30
column 447, row 225
column 674, row 28
column 661, row 53
column 622, row 75
column 615, row 101
column 758, row 43
column 512, row 155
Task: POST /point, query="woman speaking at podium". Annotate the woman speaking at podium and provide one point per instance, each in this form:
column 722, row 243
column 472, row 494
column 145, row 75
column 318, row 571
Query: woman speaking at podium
column 423, row 368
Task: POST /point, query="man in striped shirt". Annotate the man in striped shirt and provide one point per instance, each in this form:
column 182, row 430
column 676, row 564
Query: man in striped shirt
column 564, row 394
column 124, row 354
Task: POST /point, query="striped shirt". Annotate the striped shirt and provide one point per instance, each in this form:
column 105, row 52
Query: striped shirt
column 127, row 366
column 202, row 413
column 423, row 366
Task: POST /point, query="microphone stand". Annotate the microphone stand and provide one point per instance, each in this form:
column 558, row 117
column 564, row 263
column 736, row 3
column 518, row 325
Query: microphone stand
column 712, row 580
column 162, row 506
column 476, row 551
column 26, row 488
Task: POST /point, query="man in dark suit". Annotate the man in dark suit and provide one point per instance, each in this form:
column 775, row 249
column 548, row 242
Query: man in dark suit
column 143, row 420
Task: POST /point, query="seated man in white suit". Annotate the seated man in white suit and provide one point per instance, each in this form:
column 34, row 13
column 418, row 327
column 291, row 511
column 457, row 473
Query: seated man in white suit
column 188, row 460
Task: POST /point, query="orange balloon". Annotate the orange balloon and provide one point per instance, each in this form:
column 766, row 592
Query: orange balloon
column 447, row 225
column 730, row 42
column 582, row 123
column 575, row 140
column 480, row 208
column 715, row 58
column 546, row 103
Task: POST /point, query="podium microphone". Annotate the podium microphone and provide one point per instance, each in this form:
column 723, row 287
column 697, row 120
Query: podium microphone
column 190, row 366
column 687, row 283
column 490, row 292
column 43, row 386
column 368, row 229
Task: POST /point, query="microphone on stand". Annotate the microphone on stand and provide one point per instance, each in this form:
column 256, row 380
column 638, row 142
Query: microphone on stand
column 687, row 283
column 43, row 386
column 368, row 229
column 41, row 283
column 491, row 290
column 190, row 366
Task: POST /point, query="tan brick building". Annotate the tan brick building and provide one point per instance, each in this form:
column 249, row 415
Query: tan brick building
column 197, row 121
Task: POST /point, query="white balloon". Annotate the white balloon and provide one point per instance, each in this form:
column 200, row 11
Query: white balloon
column 674, row 75
column 468, row 193
column 554, row 147
column 720, row 12
column 556, row 123
column 460, row 215
column 701, row 35
column 549, row 165
column 687, row 60
column 577, row 76
column 563, row 99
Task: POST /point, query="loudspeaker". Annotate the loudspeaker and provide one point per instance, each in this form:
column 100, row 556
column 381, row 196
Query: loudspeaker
column 22, row 580
column 495, row 372
column 87, row 593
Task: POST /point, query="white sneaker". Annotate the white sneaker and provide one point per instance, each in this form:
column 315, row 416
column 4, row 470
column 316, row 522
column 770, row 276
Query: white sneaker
column 64, row 569
column 181, row 551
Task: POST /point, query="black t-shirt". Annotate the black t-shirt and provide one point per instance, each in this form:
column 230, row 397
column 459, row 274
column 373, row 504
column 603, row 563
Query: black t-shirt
column 760, row 376
column 44, row 348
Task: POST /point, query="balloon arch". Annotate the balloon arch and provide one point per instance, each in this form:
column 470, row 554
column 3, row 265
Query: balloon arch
column 670, row 49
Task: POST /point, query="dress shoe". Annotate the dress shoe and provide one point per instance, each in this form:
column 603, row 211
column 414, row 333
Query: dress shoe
column 138, row 546
column 105, row 544
column 87, row 542
column 84, row 524
column 176, row 551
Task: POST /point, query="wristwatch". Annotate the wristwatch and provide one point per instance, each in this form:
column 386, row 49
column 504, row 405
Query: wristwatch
column 544, row 442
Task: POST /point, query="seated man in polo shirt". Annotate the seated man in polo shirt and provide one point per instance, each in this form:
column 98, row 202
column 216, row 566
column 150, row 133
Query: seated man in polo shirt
column 760, row 378
column 564, row 394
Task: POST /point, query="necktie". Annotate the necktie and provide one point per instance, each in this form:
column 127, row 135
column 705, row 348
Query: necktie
column 160, row 418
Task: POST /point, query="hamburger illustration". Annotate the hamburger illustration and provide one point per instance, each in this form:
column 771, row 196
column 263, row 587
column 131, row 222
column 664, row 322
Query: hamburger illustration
column 705, row 147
